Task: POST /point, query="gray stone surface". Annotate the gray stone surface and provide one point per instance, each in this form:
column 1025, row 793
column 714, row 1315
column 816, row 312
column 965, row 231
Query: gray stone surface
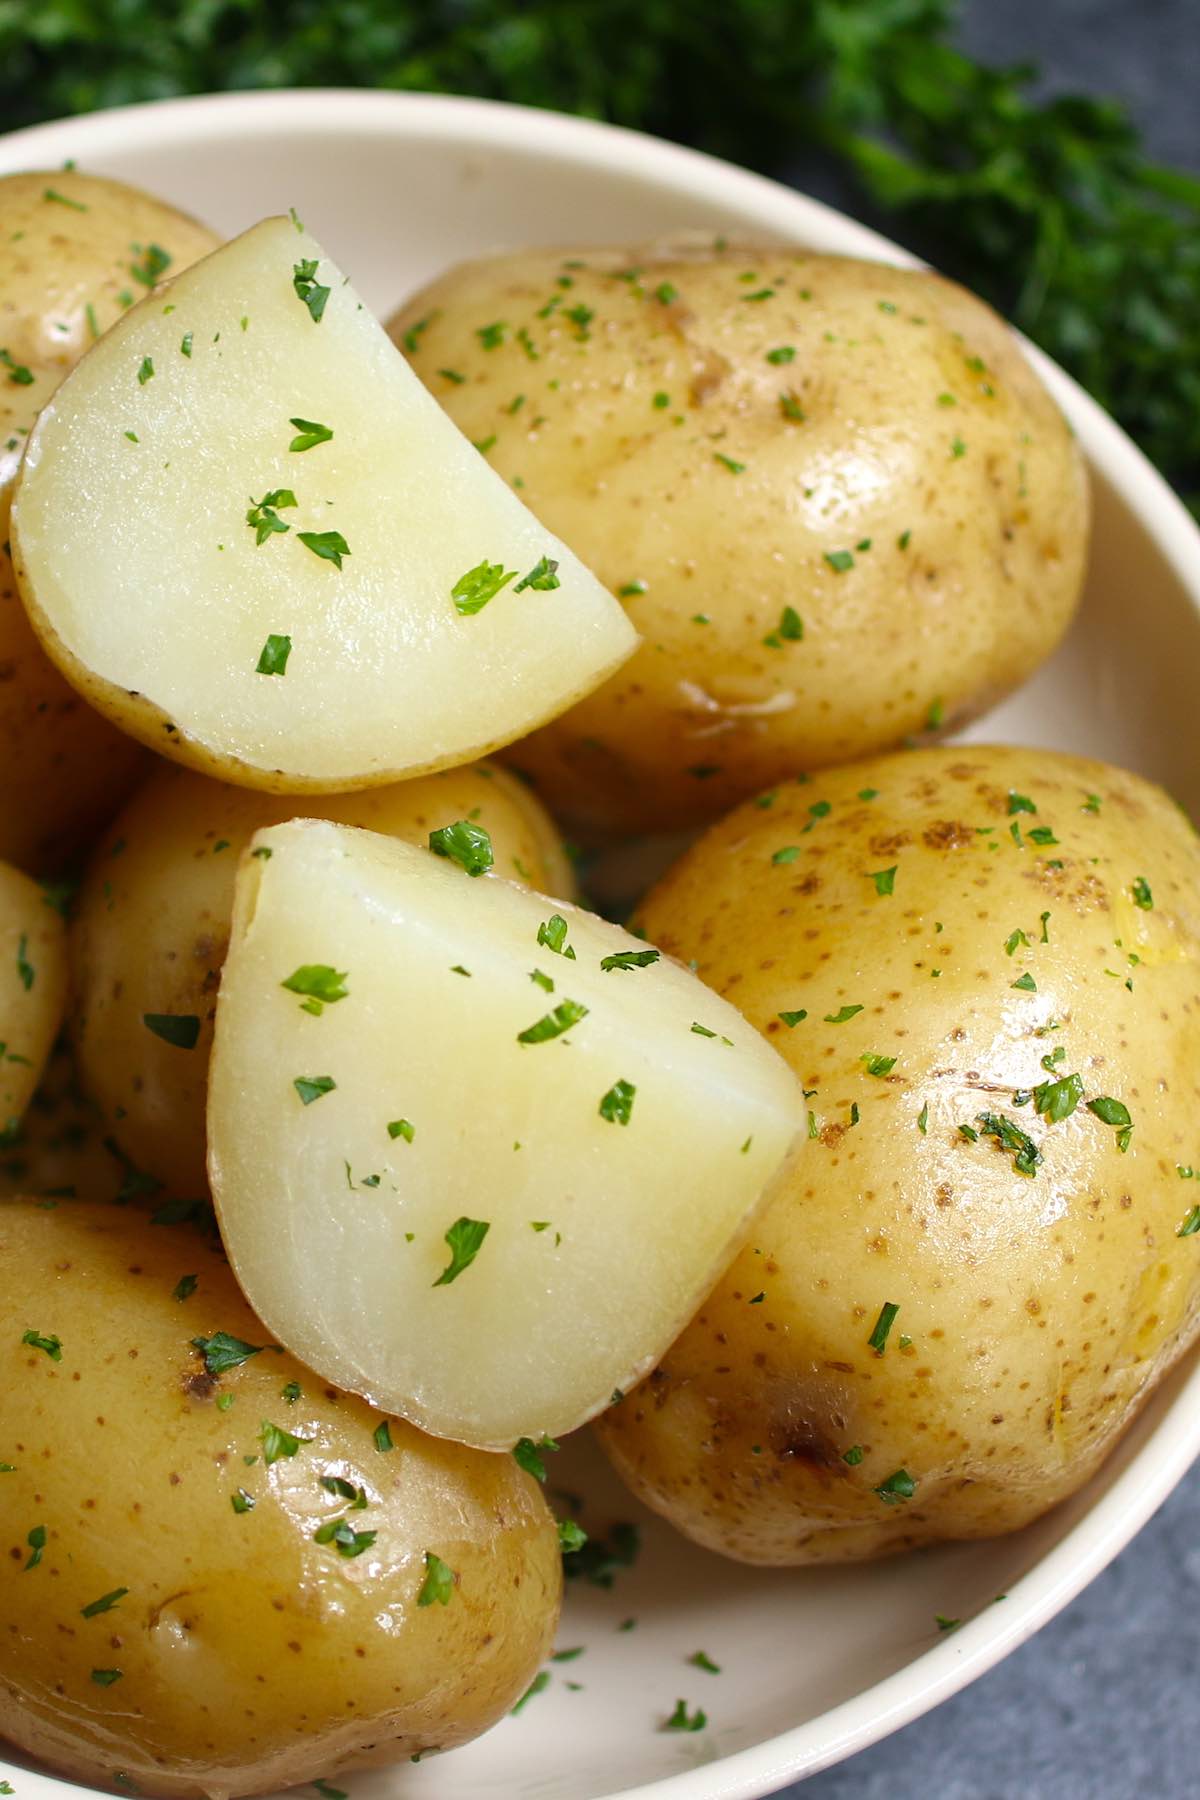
column 1101, row 1705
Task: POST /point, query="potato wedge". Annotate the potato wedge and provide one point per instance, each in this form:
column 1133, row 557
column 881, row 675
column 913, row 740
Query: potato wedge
column 33, row 990
column 220, row 1575
column 246, row 533
column 475, row 1154
column 78, row 250
column 151, row 927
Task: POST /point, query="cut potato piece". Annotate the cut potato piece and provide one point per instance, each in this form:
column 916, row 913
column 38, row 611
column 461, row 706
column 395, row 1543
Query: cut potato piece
column 33, row 991
column 247, row 533
column 476, row 1154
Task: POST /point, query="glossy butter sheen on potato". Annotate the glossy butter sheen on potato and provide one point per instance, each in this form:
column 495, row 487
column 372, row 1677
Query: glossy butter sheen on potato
column 247, row 534
column 834, row 497
column 461, row 1165
column 151, row 928
column 984, row 965
column 172, row 1623
column 78, row 252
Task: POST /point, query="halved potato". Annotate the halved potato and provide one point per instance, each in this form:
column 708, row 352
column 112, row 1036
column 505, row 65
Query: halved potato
column 247, row 534
column 33, row 990
column 476, row 1154
column 151, row 928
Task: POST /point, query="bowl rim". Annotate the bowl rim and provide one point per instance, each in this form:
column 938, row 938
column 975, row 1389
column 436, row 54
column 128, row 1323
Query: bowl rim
column 1141, row 1487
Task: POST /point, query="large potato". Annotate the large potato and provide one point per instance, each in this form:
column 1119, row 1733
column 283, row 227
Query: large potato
column 247, row 534
column 33, row 990
column 474, row 1157
column 78, row 251
column 984, row 965
column 152, row 927
column 839, row 505
column 175, row 1623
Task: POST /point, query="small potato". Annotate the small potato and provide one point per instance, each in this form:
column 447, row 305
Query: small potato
column 78, row 251
column 838, row 504
column 152, row 928
column 62, row 1150
column 221, row 1576
column 984, row 966
column 33, row 988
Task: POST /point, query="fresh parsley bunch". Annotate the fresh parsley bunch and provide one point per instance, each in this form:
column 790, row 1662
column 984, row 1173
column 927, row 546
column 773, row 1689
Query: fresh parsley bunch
column 1049, row 209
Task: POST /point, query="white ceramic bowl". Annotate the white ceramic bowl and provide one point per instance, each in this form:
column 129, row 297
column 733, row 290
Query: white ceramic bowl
column 816, row 1664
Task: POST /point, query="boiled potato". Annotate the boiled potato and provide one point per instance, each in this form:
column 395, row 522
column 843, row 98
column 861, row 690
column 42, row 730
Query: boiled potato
column 78, row 251
column 984, row 965
column 222, row 1576
column 837, row 502
column 152, row 926
column 474, row 1154
column 33, row 990
column 246, row 533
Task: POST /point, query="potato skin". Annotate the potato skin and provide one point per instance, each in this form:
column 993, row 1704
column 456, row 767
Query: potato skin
column 251, row 1656
column 68, row 268
column 1035, row 1312
column 33, row 991
column 906, row 431
column 152, row 928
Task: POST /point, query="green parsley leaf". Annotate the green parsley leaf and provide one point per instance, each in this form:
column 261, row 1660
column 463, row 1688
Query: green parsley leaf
column 1142, row 897
column 1110, row 1111
column 853, row 1456
column 1014, row 941
column 104, row 1604
column 1026, row 982
column 263, row 515
column 50, row 1346
column 106, row 1677
column 438, row 1585
column 465, row 1238
column 543, row 577
column 538, row 1685
column 792, row 1019
column 309, row 433
column 1019, row 803
column 321, row 985
column 923, row 1120
column 842, row 1015
column 784, row 354
column 682, row 1720
column 528, row 1455
column 472, row 591
column 222, row 1352
column 884, row 879
column 146, row 371
column 311, row 1087
column 330, row 546
column 1009, row 1136
column 727, row 462
column 839, row 560
column 155, row 262
column 25, row 970
column 699, row 1660
column 241, row 1501
column 883, row 1324
column 273, row 657
column 1057, row 1100
column 552, row 932
column 552, row 1024
column 897, row 1487
column 381, row 1437
column 402, row 1128
column 185, row 1287
column 1191, row 1225
column 617, row 1104
column 36, row 1541
column 314, row 297
column 470, row 846
column 878, row 1065
column 18, row 374
column 571, row 1537
column 628, row 959
column 278, row 1443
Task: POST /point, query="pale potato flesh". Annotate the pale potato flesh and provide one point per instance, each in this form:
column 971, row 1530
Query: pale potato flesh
column 834, row 497
column 159, row 601
column 236, row 1654
column 79, row 250
column 33, row 991
column 602, row 1236
column 1044, row 923
column 151, row 928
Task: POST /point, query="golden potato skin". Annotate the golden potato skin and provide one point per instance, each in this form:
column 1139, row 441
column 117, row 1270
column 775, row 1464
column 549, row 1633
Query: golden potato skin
column 250, row 1656
column 59, row 1150
column 1035, row 1312
column 152, row 928
column 708, row 431
column 33, row 991
column 76, row 251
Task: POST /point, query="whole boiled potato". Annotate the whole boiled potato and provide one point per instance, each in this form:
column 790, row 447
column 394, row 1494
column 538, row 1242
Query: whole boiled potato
column 984, row 965
column 78, row 251
column 152, row 927
column 222, row 1576
column 33, row 991
column 838, row 503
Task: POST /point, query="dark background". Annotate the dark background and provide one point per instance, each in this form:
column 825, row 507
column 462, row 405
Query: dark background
column 1103, row 1703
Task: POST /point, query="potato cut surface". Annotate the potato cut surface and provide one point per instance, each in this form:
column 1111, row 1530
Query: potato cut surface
column 247, row 533
column 476, row 1154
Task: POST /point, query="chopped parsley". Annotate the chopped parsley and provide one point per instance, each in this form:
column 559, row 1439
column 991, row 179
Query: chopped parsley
column 1142, row 897
column 553, row 1024
column 438, row 1585
column 1026, row 1155
column 221, row 1352
column 790, row 629
column 682, row 1720
column 727, row 462
column 185, row 1287
column 381, row 1437
column 617, row 1104
column 273, row 657
column 312, row 1087
column 321, row 985
column 330, row 546
column 878, row 1065
column 842, row 1015
column 552, row 933
column 538, row 1685
column 18, row 374
column 839, row 560
column 309, row 433
column 36, row 1541
column 402, row 1128
column 50, row 1346
column 628, row 959
column 465, row 1239
column 792, row 1019
column 470, row 846
column 884, row 879
column 263, row 515
column 699, row 1660
column 472, row 591
column 543, row 577
column 1057, row 1100
column 528, row 1455
column 278, row 1443
column 106, row 1677
column 897, row 1487
column 25, row 969
column 104, row 1604
column 308, row 290
column 1026, row 983
column 883, row 1324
